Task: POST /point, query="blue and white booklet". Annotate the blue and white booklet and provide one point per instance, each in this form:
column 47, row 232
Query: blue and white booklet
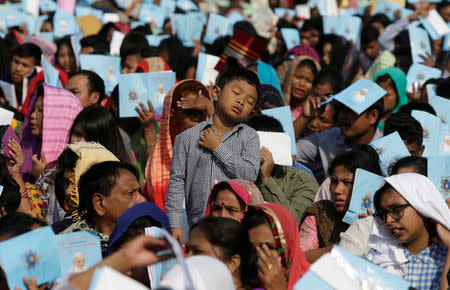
column 187, row 27
column 283, row 114
column 187, row 5
column 439, row 173
column 141, row 87
column 359, row 96
column 418, row 74
column 291, row 37
column 341, row 269
column 420, row 44
column 281, row 12
column 51, row 74
column 442, row 107
column 78, row 251
column 390, row 148
column 64, row 24
column 435, row 25
column 431, row 126
column 153, row 13
column 364, row 188
column 108, row 278
column 168, row 5
column 387, row 8
column 106, row 66
column 47, row 35
column 206, row 72
column 155, row 40
column 348, row 27
column 48, row 6
column 82, row 10
column 9, row 91
column 30, row 254
column 218, row 26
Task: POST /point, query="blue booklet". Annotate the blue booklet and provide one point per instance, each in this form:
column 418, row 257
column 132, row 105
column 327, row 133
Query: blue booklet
column 47, row 35
column 51, row 74
column 364, row 188
column 291, row 37
column 140, row 87
column 419, row 74
column 168, row 5
column 9, row 91
column 281, row 12
column 188, row 27
column 135, row 24
column 431, row 126
column 187, row 5
column 420, row 43
column 30, row 254
column 106, row 66
column 442, row 107
column 331, row 25
column 387, row 8
column 283, row 114
column 155, row 40
column 48, row 6
column 348, row 27
column 218, row 26
column 406, row 12
column 153, row 13
column 439, row 173
column 390, row 148
column 64, row 24
column 81, row 10
column 359, row 96
column 78, row 251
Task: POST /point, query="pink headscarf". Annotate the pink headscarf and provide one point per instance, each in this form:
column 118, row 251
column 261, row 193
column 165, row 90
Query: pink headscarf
column 303, row 50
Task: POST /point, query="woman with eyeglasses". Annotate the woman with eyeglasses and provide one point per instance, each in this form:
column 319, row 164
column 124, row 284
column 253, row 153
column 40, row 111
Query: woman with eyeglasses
column 411, row 235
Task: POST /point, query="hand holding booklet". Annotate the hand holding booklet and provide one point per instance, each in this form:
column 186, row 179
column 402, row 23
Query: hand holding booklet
column 390, row 148
column 279, row 144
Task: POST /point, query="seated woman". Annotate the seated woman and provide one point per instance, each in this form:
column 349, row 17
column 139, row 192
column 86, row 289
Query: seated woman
column 230, row 199
column 322, row 224
column 228, row 241
column 274, row 232
column 410, row 215
column 183, row 108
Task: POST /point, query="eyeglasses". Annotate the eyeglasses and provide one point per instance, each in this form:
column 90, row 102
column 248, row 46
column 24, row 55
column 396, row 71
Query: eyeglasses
column 396, row 212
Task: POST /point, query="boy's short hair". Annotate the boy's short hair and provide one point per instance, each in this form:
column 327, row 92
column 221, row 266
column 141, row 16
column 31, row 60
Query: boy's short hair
column 17, row 223
column 236, row 73
column 313, row 24
column 380, row 18
column 264, row 123
column 408, row 108
column 96, row 83
column 369, row 34
column 331, row 76
column 29, row 50
column 407, row 127
column 419, row 163
column 10, row 194
column 443, row 87
column 134, row 43
column 100, row 45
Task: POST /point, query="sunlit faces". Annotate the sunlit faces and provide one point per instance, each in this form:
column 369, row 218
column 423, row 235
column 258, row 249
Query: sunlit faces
column 391, row 97
column 235, row 101
column 37, row 117
column 79, row 86
column 226, row 204
column 262, row 235
column 341, row 185
column 301, row 83
column 65, row 59
column 21, row 67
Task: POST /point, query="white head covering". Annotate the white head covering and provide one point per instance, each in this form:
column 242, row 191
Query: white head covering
column 423, row 196
column 206, row 273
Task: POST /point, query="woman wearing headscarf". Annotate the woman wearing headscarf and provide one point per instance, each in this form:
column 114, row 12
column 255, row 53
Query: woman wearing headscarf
column 266, row 74
column 274, row 232
column 178, row 114
column 231, row 199
column 270, row 98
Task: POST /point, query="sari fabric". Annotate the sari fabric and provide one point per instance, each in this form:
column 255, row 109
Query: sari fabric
column 287, row 239
column 133, row 213
column 157, row 171
column 268, row 75
column 246, row 191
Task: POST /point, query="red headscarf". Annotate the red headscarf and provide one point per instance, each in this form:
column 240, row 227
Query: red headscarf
column 246, row 191
column 152, row 64
column 287, row 240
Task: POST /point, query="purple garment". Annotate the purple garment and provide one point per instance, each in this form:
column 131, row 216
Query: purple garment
column 303, row 50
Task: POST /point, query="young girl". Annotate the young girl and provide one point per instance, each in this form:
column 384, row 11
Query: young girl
column 65, row 56
column 410, row 215
column 393, row 81
column 299, row 83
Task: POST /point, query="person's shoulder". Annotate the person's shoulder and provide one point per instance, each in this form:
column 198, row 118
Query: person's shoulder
column 247, row 129
column 193, row 131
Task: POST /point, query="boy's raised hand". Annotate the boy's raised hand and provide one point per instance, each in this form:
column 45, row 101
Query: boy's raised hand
column 146, row 116
column 200, row 102
column 209, row 139
column 312, row 107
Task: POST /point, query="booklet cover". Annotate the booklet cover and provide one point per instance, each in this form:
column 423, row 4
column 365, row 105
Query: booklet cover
column 116, row 42
column 439, row 173
column 106, row 66
column 218, row 26
column 418, row 74
column 78, row 251
column 348, row 27
column 279, row 144
column 106, row 278
column 187, row 27
column 51, row 74
column 155, row 40
column 420, row 44
column 442, row 107
column 81, row 10
column 30, row 254
column 281, row 12
column 140, row 87
column 387, row 8
column 283, row 114
column 153, row 13
column 365, row 185
column 206, row 72
column 6, row 118
column 359, row 96
column 431, row 126
column 64, row 24
column 435, row 25
column 9, row 91
column 291, row 37
column 390, row 148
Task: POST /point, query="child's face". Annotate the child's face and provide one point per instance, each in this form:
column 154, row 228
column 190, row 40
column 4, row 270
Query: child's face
column 301, row 83
column 354, row 125
column 79, row 261
column 341, row 186
column 410, row 227
column 236, row 101
column 322, row 122
column 390, row 99
column 372, row 50
column 414, row 148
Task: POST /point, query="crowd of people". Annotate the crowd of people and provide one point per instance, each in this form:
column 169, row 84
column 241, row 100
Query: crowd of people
column 198, row 169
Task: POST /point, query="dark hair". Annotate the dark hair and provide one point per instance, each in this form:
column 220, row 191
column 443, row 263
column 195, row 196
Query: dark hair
column 380, row 192
column 313, row 24
column 29, row 50
column 99, row 44
column 443, row 87
column 134, row 43
column 10, row 194
column 387, row 78
column 309, row 64
column 136, row 228
column 100, row 178
column 407, row 127
column 363, row 156
column 18, row 223
column 264, row 123
column 369, row 34
column 408, row 108
column 232, row 238
column 380, row 18
column 442, row 4
column 178, row 55
column 66, row 161
column 331, row 76
column 235, row 73
column 100, row 126
column 96, row 83
column 419, row 164
column 377, row 106
column 254, row 217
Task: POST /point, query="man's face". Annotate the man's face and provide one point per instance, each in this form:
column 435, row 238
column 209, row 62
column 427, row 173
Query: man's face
column 21, row 67
column 79, row 86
